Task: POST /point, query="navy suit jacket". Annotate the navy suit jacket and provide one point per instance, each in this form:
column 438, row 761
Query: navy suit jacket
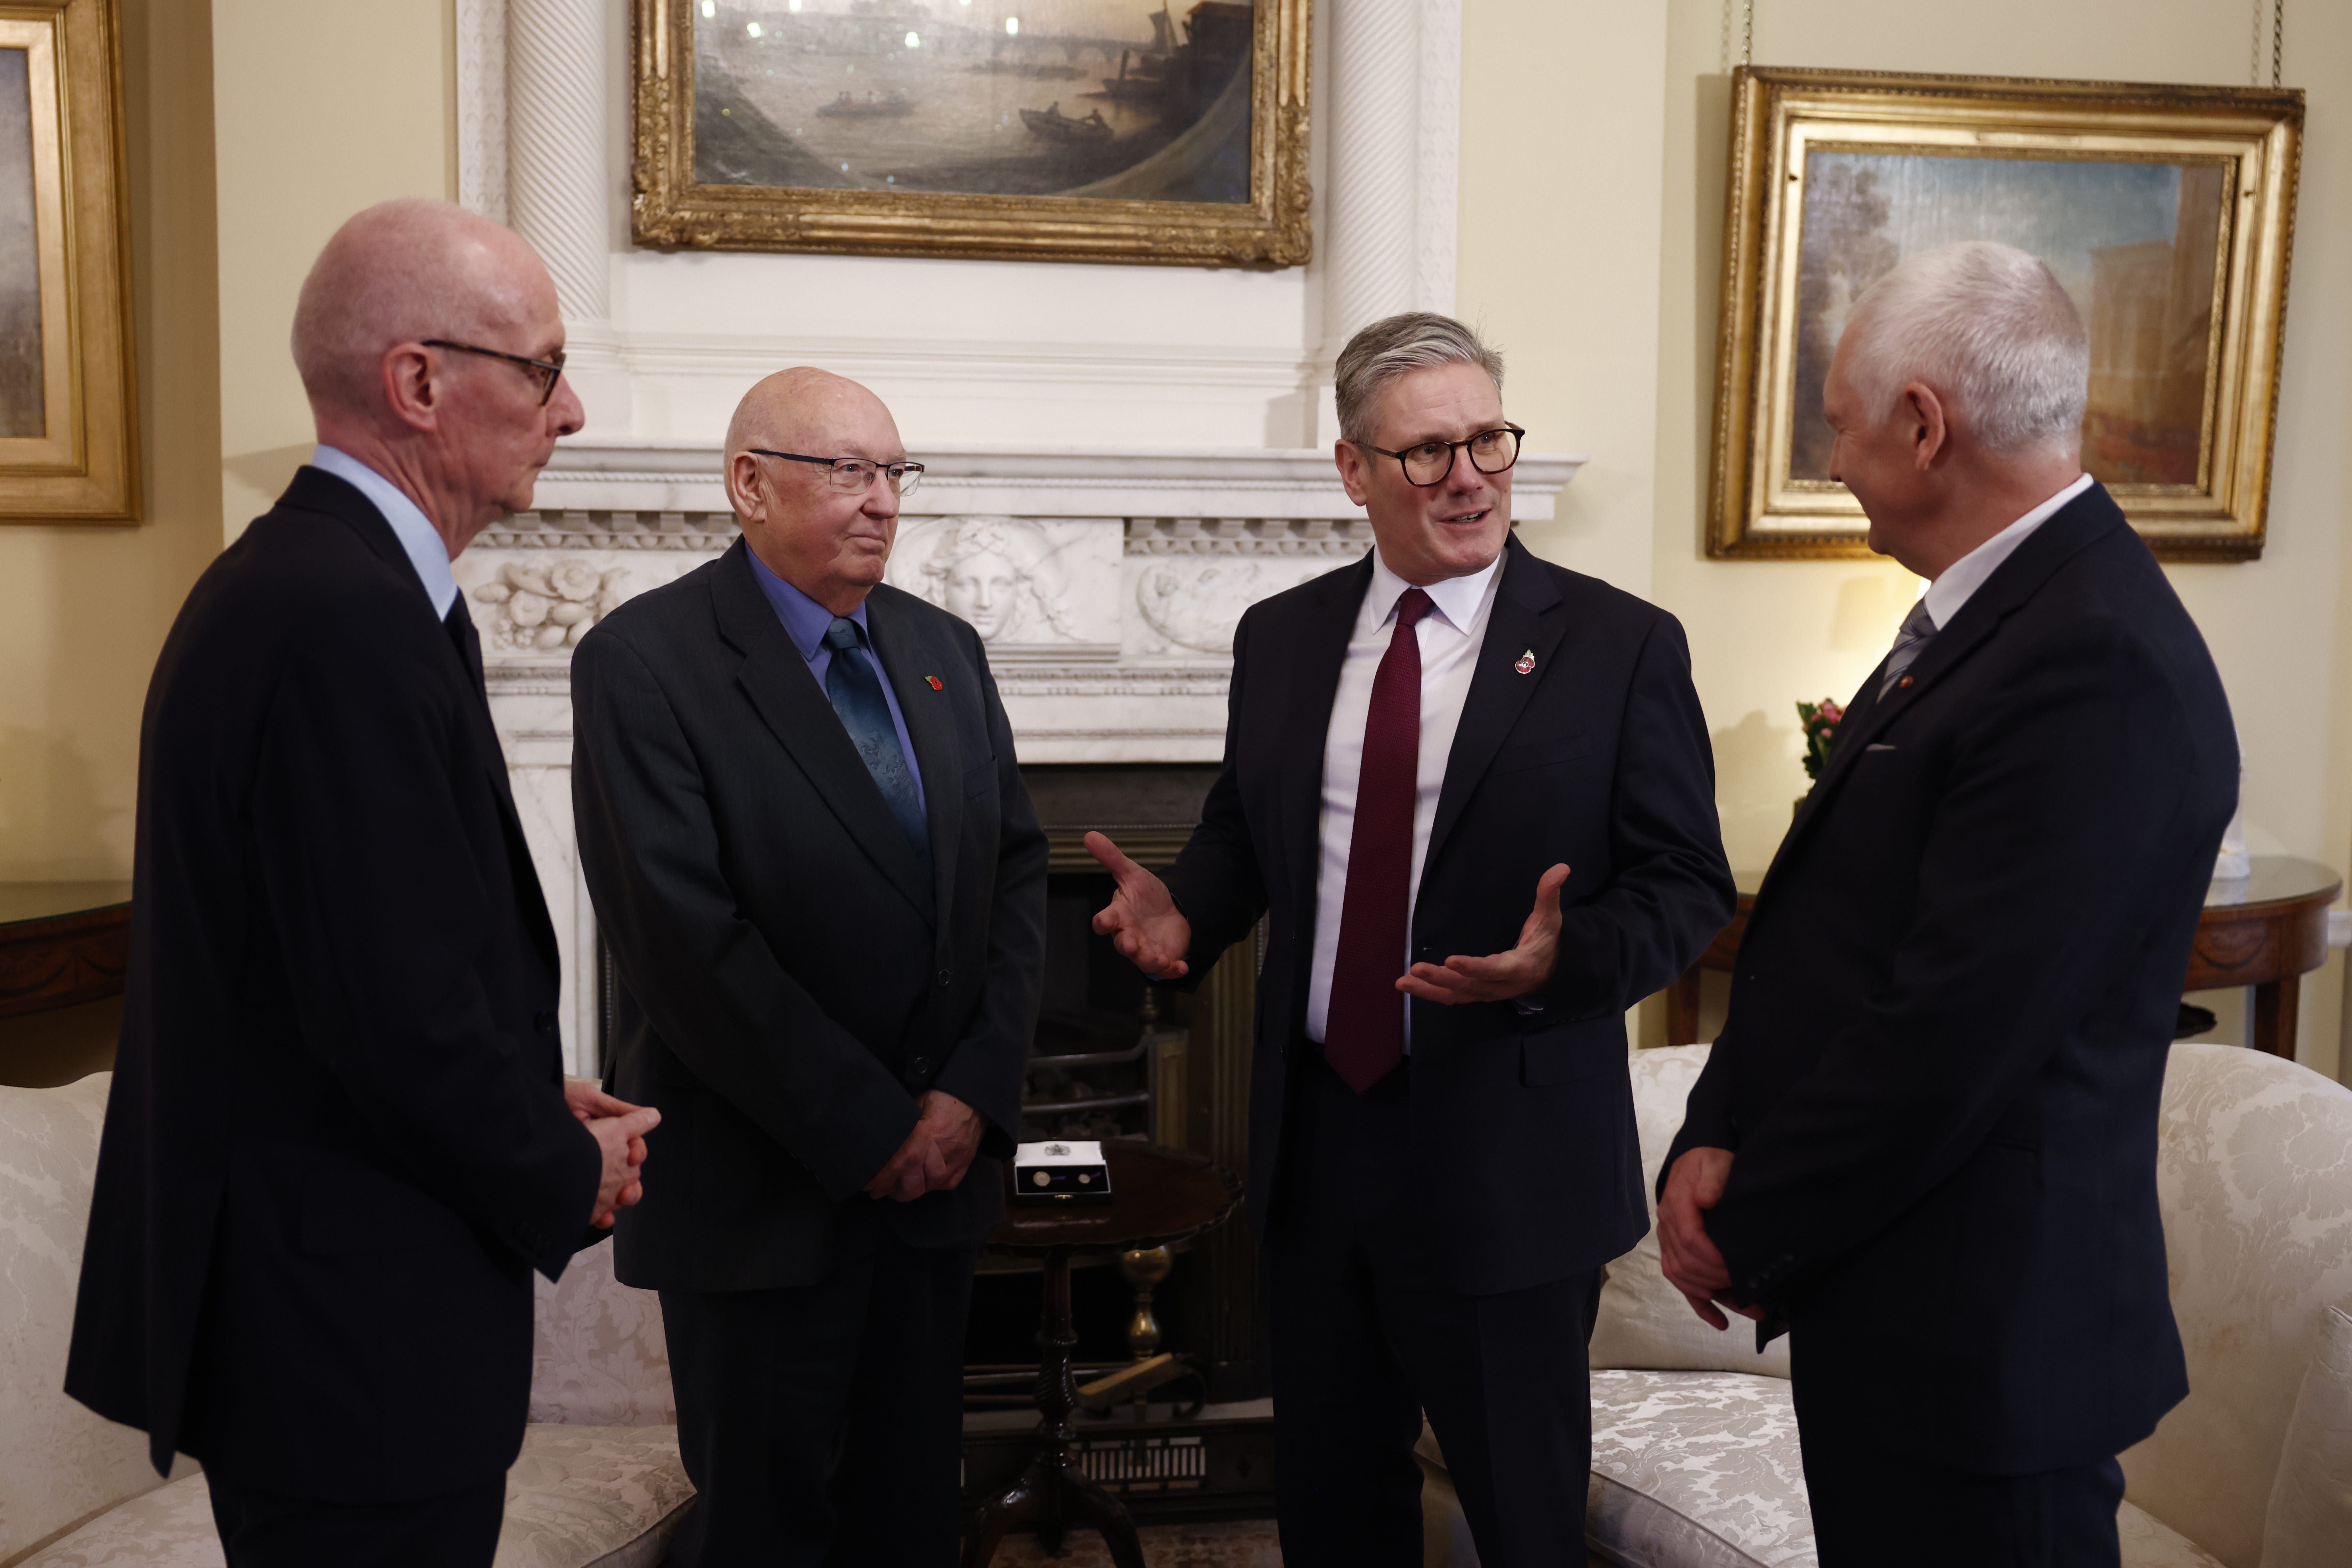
column 336, row 1142
column 1950, row 1014
column 1522, row 1124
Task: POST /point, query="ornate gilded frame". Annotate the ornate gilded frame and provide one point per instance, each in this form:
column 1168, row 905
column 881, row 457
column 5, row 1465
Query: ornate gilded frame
column 1756, row 510
column 671, row 210
column 84, row 467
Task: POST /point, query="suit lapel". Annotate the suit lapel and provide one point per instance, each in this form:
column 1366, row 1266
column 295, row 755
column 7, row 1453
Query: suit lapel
column 1525, row 620
column 797, row 711
column 1319, row 652
column 910, row 661
column 315, row 490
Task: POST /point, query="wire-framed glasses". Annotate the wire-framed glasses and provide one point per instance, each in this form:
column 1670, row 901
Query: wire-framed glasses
column 546, row 372
column 1427, row 464
column 854, row 473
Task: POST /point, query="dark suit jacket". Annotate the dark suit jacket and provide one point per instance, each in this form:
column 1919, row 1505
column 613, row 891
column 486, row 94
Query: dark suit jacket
column 791, row 979
column 1522, row 1124
column 1950, row 1016
column 335, row 1145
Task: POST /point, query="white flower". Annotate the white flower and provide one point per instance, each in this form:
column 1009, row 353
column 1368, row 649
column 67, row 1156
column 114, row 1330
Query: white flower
column 527, row 608
column 573, row 579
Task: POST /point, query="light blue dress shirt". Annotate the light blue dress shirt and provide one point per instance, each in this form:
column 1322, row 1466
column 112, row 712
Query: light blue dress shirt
column 426, row 548
column 806, row 622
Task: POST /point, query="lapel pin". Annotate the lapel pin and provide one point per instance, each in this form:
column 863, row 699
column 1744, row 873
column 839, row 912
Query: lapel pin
column 937, row 684
column 1902, row 683
column 1527, row 665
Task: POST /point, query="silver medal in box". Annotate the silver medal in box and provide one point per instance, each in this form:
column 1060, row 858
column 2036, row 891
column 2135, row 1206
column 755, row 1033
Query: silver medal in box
column 1060, row 1173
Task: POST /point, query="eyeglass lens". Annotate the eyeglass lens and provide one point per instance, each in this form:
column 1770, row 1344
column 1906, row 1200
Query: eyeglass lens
column 1491, row 452
column 856, row 475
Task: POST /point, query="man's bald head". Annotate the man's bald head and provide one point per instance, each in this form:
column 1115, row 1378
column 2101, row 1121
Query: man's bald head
column 402, row 271
column 804, row 409
column 830, row 543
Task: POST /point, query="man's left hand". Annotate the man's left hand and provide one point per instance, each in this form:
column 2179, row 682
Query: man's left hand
column 937, row 1152
column 1501, row 977
column 589, row 1102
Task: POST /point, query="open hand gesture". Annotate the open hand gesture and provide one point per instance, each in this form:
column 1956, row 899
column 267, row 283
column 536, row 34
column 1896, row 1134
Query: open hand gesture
column 1501, row 977
column 1142, row 920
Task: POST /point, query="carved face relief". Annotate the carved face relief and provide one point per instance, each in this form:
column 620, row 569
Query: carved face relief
column 985, row 589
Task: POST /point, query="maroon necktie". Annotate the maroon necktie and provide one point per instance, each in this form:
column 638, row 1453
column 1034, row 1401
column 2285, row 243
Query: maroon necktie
column 1363, row 1031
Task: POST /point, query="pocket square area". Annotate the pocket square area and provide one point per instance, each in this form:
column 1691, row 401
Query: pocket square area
column 1878, row 746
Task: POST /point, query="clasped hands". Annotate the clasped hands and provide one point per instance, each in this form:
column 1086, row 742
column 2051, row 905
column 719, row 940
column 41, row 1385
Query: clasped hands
column 936, row 1154
column 1151, row 932
column 619, row 1129
column 1693, row 1265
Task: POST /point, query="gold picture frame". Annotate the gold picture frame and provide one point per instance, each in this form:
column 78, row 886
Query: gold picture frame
column 1246, row 140
column 2168, row 212
column 68, row 426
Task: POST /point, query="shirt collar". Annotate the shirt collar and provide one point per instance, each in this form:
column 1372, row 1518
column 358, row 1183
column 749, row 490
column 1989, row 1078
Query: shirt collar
column 426, row 548
column 805, row 620
column 1963, row 577
column 1456, row 598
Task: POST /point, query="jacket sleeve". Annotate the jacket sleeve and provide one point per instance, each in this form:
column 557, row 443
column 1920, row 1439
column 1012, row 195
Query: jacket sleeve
column 1216, row 879
column 721, row 1001
column 387, row 914
column 2060, row 787
column 1672, row 892
column 983, row 1068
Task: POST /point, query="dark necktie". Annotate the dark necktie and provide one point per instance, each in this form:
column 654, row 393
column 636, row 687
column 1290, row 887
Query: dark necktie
column 460, row 622
column 856, row 694
column 1363, row 1031
column 1910, row 641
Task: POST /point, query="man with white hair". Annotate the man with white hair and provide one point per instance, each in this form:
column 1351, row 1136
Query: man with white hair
column 339, row 1140
column 1471, row 794
column 1926, row 1140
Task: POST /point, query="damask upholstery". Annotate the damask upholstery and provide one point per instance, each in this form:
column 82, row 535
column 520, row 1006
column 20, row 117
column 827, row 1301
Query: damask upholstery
column 2310, row 1517
column 598, row 1357
column 2255, row 1171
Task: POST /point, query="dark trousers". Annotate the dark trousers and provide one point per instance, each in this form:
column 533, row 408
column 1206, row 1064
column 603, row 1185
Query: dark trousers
column 1364, row 1342
column 264, row 1530
column 1874, row 1507
column 823, row 1425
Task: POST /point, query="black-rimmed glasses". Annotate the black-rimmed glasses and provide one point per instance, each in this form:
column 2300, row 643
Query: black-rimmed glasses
column 548, row 371
column 1427, row 464
column 854, row 473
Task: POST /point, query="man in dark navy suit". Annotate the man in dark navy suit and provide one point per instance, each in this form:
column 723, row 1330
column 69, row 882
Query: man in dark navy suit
column 1925, row 1141
column 1422, row 746
column 339, row 1138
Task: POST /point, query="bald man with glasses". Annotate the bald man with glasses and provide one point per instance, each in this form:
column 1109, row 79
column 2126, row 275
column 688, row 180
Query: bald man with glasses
column 823, row 890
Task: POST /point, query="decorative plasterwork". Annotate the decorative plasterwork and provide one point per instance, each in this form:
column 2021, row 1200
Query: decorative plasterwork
column 482, row 40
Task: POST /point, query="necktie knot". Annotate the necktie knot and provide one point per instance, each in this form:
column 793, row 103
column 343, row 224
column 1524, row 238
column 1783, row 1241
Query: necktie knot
column 1414, row 604
column 842, row 636
column 1916, row 625
column 1910, row 641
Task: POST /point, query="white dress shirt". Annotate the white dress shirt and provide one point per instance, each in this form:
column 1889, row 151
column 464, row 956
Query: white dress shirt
column 1963, row 577
column 426, row 548
column 1449, row 635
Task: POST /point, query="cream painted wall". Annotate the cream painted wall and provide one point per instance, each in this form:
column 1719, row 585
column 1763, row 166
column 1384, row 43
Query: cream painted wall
column 323, row 107
column 1593, row 198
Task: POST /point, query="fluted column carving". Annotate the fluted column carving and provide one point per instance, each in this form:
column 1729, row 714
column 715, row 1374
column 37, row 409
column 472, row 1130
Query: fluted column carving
column 555, row 185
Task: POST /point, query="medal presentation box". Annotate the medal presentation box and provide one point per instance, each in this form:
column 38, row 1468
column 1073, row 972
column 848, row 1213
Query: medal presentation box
column 1060, row 1173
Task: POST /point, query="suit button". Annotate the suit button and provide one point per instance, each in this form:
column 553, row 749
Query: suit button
column 944, row 978
column 919, row 1068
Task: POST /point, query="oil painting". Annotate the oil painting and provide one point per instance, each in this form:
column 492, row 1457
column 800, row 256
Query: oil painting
column 23, row 404
column 1094, row 129
column 2165, row 212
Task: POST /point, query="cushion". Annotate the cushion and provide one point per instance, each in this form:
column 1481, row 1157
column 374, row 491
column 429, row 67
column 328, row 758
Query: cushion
column 2310, row 1518
column 59, row 1461
column 2255, row 1171
column 598, row 1357
column 1645, row 1321
column 579, row 1497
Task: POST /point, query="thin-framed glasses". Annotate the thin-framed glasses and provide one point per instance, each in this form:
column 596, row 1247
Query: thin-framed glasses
column 547, row 372
column 854, row 473
column 1427, row 464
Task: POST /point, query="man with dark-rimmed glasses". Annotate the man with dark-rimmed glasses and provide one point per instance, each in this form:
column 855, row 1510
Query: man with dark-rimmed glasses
column 824, row 891
column 1441, row 1144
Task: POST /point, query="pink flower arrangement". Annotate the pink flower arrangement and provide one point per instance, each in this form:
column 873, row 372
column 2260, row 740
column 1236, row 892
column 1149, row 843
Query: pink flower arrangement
column 1819, row 720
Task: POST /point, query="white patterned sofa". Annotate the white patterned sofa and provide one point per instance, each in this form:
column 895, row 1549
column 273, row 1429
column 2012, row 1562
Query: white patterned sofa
column 598, row 1482
column 1694, row 1456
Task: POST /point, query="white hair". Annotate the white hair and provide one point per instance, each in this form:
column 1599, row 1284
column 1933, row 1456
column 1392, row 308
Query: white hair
column 1990, row 328
column 1393, row 346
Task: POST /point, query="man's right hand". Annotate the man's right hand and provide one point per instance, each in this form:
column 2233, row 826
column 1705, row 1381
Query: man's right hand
column 1142, row 920
column 1692, row 1263
column 620, row 1138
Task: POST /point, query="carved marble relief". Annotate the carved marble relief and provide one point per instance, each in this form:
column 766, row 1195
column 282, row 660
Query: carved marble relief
column 1034, row 588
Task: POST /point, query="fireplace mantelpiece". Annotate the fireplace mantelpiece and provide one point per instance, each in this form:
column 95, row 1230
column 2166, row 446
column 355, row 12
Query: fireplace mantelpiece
column 1106, row 584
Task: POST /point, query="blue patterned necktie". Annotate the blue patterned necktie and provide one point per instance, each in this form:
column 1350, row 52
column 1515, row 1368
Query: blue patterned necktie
column 1910, row 641
column 856, row 693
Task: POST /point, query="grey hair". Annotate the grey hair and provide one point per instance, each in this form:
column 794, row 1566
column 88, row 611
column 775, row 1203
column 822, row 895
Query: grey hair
column 1395, row 346
column 1987, row 327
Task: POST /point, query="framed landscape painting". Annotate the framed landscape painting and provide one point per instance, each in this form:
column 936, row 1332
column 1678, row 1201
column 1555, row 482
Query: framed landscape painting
column 2166, row 213
column 1141, row 130
column 68, row 433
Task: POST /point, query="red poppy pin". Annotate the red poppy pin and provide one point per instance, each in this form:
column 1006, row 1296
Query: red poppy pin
column 1527, row 665
column 937, row 684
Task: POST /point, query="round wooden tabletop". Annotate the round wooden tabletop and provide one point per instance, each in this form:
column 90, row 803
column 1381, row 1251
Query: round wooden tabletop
column 1158, row 1195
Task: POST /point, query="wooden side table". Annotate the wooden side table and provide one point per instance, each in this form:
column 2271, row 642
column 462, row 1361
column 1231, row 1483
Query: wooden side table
column 1158, row 1195
column 61, row 943
column 2267, row 931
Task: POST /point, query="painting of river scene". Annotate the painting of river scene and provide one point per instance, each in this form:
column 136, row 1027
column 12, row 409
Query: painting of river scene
column 1117, row 100
column 22, row 410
